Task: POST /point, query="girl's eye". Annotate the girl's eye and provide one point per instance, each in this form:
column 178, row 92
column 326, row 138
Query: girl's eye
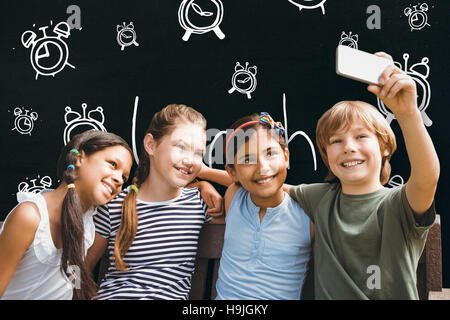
column 250, row 160
column 181, row 147
column 272, row 153
column 113, row 163
column 362, row 136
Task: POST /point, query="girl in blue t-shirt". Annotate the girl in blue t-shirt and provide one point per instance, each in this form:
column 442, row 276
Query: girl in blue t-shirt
column 268, row 237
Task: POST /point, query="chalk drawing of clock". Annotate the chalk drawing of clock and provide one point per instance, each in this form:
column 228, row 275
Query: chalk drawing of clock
column 49, row 54
column 44, row 183
column 417, row 18
column 126, row 36
column 423, row 88
column 194, row 19
column 24, row 122
column 93, row 119
column 396, row 181
column 349, row 40
column 244, row 79
column 309, row 4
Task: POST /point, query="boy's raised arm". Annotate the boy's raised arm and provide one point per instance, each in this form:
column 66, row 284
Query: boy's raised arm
column 399, row 93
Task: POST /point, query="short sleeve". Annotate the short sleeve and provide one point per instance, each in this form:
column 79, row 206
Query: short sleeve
column 205, row 209
column 102, row 221
column 204, row 206
column 416, row 224
column 309, row 196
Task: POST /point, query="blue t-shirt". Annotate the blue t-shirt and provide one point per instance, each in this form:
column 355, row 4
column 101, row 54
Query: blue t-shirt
column 267, row 259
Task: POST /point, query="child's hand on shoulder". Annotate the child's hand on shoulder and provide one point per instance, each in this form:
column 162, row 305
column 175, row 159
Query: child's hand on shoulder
column 398, row 90
column 212, row 198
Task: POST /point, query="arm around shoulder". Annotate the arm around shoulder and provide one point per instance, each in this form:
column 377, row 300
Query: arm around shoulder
column 17, row 235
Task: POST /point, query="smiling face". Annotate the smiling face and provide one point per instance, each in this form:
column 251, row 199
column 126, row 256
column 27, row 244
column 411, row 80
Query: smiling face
column 176, row 158
column 355, row 157
column 100, row 175
column 260, row 167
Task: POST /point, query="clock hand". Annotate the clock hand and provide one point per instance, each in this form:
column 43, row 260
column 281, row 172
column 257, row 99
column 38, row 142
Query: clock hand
column 199, row 10
column 244, row 80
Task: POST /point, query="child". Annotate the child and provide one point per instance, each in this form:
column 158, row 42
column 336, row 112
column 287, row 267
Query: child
column 268, row 237
column 44, row 239
column 370, row 238
column 152, row 232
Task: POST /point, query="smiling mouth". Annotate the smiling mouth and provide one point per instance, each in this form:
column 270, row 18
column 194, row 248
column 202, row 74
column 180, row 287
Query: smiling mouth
column 265, row 180
column 110, row 190
column 184, row 171
column 351, row 163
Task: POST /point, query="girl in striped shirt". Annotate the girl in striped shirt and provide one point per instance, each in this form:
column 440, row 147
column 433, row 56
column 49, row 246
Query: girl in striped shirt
column 151, row 229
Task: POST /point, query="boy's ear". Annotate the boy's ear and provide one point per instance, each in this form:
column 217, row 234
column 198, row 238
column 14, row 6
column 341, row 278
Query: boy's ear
column 150, row 144
column 231, row 172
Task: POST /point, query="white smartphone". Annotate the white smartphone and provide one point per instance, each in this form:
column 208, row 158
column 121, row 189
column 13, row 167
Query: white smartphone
column 359, row 65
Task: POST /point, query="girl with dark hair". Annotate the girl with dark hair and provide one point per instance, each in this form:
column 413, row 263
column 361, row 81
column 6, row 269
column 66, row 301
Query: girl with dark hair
column 268, row 236
column 44, row 240
column 151, row 229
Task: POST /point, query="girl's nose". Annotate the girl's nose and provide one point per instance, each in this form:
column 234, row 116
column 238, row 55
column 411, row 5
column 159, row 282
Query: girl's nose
column 264, row 166
column 117, row 177
column 187, row 160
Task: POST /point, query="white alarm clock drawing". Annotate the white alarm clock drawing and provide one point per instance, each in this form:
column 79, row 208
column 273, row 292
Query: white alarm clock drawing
column 244, row 79
column 24, row 121
column 35, row 187
column 417, row 18
column 126, row 36
column 49, row 54
column 195, row 19
column 93, row 119
column 423, row 88
column 349, row 40
column 309, row 4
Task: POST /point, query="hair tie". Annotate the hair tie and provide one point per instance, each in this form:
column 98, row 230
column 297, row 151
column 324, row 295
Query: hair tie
column 134, row 188
column 266, row 118
column 70, row 166
column 70, row 186
column 74, row 151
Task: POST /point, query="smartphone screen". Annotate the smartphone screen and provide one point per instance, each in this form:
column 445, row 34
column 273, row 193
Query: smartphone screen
column 359, row 65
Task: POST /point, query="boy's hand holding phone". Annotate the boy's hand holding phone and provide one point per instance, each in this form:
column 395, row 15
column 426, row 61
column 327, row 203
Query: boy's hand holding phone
column 394, row 87
column 397, row 90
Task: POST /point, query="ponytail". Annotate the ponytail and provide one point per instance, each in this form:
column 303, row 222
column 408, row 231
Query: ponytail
column 129, row 221
column 73, row 263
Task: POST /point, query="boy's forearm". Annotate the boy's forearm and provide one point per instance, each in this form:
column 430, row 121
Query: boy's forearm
column 421, row 152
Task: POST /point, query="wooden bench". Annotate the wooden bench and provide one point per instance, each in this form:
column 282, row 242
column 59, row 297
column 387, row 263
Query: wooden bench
column 429, row 270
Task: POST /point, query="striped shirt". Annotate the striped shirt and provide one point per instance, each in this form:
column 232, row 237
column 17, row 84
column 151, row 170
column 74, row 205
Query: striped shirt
column 162, row 255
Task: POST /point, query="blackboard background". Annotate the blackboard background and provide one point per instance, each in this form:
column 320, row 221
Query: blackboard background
column 293, row 50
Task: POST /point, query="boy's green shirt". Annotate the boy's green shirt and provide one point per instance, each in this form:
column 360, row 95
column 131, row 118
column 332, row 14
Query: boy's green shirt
column 366, row 246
